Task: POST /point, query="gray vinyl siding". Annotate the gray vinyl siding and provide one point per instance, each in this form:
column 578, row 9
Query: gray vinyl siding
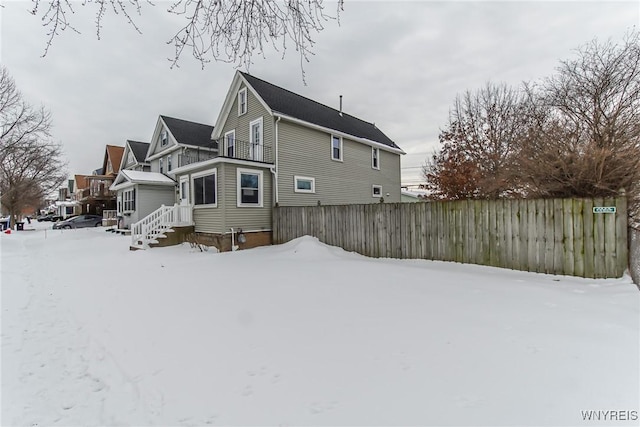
column 247, row 218
column 306, row 152
column 241, row 124
column 227, row 214
column 148, row 199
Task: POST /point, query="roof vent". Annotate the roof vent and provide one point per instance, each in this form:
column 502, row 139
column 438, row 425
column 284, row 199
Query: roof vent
column 340, row 105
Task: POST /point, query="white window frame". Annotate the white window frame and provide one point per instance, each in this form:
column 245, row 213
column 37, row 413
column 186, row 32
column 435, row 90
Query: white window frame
column 129, row 200
column 375, row 187
column 341, row 148
column 169, row 163
column 161, row 165
column 304, row 178
column 375, row 158
column 185, row 180
column 239, row 173
column 242, row 92
column 192, row 189
column 164, row 138
column 256, row 153
column 225, row 149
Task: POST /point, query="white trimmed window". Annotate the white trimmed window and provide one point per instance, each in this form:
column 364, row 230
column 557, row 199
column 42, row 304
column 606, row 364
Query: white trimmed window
column 230, row 143
column 250, row 188
column 204, row 185
column 375, row 158
column 129, row 200
column 304, row 184
column 242, row 101
column 164, row 138
column 169, row 163
column 336, row 148
column 376, row 190
column 161, row 165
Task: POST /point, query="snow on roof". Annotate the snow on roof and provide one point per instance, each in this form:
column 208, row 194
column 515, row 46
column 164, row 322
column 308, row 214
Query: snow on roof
column 140, row 177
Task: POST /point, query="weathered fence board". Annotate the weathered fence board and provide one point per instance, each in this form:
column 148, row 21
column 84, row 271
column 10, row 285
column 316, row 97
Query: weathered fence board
column 559, row 236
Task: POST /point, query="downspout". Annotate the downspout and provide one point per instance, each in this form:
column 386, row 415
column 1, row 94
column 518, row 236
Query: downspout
column 274, row 170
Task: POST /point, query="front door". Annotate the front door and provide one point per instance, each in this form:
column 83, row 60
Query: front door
column 184, row 190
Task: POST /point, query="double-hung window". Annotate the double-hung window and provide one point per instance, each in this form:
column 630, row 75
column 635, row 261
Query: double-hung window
column 336, row 148
column 375, row 158
column 161, row 165
column 164, row 138
column 129, row 200
column 250, row 188
column 242, row 101
column 169, row 163
column 204, row 188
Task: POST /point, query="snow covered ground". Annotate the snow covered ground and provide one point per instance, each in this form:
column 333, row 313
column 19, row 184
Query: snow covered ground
column 303, row 334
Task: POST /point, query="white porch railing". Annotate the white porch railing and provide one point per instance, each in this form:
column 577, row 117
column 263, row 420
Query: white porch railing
column 158, row 222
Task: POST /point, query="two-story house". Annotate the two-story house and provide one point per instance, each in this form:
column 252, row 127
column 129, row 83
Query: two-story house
column 276, row 147
column 92, row 191
column 145, row 181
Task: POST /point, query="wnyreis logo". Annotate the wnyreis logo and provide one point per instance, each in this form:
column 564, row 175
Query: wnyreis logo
column 609, row 415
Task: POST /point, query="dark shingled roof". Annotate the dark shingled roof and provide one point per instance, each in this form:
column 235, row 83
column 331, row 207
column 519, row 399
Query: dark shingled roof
column 190, row 133
column 291, row 104
column 139, row 150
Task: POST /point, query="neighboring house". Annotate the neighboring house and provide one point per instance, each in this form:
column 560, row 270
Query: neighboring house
column 280, row 148
column 135, row 156
column 412, row 196
column 145, row 182
column 95, row 197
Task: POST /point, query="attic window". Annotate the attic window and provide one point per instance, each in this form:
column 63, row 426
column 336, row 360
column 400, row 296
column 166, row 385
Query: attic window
column 242, row 101
column 164, row 138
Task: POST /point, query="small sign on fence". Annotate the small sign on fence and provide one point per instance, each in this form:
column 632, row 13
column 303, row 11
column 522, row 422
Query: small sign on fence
column 604, row 209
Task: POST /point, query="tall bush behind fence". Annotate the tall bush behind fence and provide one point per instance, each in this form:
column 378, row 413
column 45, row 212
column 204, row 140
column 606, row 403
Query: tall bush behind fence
column 557, row 236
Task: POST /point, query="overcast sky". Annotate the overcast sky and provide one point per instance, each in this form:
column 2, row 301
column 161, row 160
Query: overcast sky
column 397, row 64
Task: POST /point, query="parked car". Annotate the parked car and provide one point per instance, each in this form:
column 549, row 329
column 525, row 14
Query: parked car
column 49, row 217
column 80, row 221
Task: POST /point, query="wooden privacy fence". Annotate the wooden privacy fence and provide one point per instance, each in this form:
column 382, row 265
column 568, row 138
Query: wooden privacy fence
column 557, row 236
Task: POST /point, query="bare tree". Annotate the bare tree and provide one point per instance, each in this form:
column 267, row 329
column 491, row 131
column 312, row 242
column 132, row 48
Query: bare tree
column 30, row 162
column 586, row 138
column 220, row 30
column 481, row 137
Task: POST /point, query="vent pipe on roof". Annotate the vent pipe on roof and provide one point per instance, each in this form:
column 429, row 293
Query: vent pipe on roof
column 340, row 105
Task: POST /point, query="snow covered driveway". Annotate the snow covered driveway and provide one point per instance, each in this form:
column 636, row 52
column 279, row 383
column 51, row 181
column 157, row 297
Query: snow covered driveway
column 303, row 334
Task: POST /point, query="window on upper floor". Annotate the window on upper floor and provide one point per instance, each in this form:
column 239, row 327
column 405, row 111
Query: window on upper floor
column 204, row 188
column 169, row 163
column 304, row 184
column 376, row 190
column 375, row 158
column 249, row 188
column 161, row 165
column 164, row 138
column 242, row 101
column 256, row 149
column 336, row 148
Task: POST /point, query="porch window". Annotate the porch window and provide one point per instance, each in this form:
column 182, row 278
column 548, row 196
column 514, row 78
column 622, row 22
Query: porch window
column 249, row 188
column 336, row 148
column 242, row 101
column 304, row 184
column 129, row 200
column 204, row 188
